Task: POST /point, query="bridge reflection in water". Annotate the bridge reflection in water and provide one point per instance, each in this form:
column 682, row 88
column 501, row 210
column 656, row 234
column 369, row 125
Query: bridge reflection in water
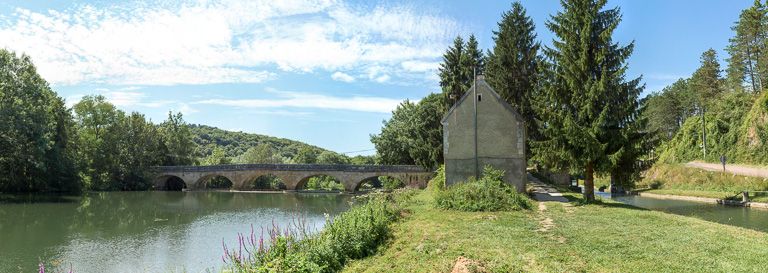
column 294, row 176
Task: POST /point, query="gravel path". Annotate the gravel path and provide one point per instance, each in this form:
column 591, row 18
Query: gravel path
column 731, row 168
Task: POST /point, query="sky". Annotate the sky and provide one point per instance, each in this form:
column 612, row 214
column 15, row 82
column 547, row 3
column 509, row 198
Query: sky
column 325, row 72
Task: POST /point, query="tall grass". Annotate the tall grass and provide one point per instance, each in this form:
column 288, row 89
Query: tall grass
column 489, row 193
column 354, row 234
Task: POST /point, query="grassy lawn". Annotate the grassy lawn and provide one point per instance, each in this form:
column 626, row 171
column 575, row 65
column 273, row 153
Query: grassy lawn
column 608, row 237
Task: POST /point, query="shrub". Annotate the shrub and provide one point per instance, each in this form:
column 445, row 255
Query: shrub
column 438, row 182
column 490, row 193
column 354, row 234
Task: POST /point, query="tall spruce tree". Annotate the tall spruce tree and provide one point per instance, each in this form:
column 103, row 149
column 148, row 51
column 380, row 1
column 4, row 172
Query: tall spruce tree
column 460, row 62
column 706, row 81
column 451, row 73
column 585, row 103
column 512, row 67
column 747, row 48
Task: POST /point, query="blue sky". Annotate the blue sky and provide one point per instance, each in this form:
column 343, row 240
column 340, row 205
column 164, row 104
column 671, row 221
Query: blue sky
column 324, row 72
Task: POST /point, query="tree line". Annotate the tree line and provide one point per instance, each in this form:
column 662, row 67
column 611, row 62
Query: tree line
column 581, row 113
column 48, row 147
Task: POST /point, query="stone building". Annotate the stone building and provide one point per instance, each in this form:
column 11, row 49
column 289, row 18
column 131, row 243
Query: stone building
column 500, row 138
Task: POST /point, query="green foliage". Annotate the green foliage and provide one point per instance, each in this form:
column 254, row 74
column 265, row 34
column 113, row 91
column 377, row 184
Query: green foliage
column 260, row 154
column 677, row 177
column 324, row 182
column 728, row 127
column 456, row 70
column 363, row 160
column 37, row 138
column 116, row 149
column 328, row 157
column 354, row 234
column 706, row 81
column 747, row 49
column 236, row 144
column 586, row 106
column 437, row 183
column 513, row 65
column 413, row 135
column 490, row 193
column 666, row 111
column 177, row 139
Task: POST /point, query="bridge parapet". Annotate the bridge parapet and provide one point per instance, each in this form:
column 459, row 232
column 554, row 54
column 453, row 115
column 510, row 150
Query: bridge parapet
column 294, row 176
column 293, row 167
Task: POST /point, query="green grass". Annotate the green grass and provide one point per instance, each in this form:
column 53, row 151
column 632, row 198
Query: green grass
column 676, row 179
column 601, row 237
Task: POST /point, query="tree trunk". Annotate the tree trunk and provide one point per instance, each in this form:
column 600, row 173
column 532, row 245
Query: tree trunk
column 589, row 182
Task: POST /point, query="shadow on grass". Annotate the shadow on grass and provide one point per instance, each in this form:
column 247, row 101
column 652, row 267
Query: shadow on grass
column 576, row 201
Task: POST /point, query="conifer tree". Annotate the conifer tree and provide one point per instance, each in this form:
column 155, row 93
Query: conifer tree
column 747, row 48
column 474, row 61
column 512, row 67
column 460, row 61
column 585, row 103
column 706, row 81
column 452, row 76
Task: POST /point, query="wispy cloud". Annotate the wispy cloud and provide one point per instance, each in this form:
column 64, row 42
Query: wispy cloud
column 343, row 77
column 224, row 41
column 310, row 100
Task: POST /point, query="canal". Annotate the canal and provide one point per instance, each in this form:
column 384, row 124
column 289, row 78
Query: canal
column 144, row 231
column 752, row 218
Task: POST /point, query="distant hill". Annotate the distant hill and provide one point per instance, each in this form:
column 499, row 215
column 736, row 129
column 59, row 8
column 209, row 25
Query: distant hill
column 236, row 143
column 737, row 127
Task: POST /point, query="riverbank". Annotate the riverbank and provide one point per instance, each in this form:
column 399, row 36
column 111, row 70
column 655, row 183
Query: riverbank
column 677, row 179
column 660, row 194
column 605, row 237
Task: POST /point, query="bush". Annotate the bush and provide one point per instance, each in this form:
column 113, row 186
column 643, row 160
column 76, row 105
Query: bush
column 438, row 181
column 354, row 234
column 490, row 193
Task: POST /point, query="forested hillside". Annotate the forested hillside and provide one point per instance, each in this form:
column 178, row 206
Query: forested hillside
column 236, row 143
column 718, row 111
column 736, row 128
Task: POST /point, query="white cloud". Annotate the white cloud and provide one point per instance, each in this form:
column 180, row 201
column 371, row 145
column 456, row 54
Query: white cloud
column 310, row 100
column 382, row 79
column 420, row 66
column 341, row 76
column 223, row 41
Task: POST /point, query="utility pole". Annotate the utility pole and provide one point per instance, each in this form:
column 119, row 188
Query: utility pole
column 474, row 95
column 704, row 130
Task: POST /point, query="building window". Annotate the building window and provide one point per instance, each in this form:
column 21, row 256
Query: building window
column 479, row 97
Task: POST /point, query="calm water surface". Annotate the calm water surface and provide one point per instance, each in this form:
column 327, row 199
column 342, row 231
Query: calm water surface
column 751, row 218
column 145, row 231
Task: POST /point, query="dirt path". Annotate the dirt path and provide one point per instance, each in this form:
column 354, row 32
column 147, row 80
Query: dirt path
column 544, row 192
column 731, row 168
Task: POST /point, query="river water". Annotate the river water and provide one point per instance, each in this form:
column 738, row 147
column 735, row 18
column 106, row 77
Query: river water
column 752, row 218
column 145, row 231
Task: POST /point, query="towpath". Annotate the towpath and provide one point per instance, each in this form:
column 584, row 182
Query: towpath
column 744, row 170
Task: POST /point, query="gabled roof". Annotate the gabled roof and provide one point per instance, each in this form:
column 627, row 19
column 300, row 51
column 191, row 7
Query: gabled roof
column 482, row 83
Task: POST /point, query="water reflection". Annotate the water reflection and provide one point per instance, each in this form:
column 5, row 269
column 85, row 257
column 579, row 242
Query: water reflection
column 143, row 231
column 751, row 218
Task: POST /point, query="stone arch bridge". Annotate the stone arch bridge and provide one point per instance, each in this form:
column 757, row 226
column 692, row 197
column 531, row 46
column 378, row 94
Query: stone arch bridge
column 294, row 176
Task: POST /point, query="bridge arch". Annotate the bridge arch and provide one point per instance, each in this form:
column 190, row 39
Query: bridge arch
column 380, row 181
column 323, row 179
column 264, row 182
column 170, row 183
column 205, row 181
